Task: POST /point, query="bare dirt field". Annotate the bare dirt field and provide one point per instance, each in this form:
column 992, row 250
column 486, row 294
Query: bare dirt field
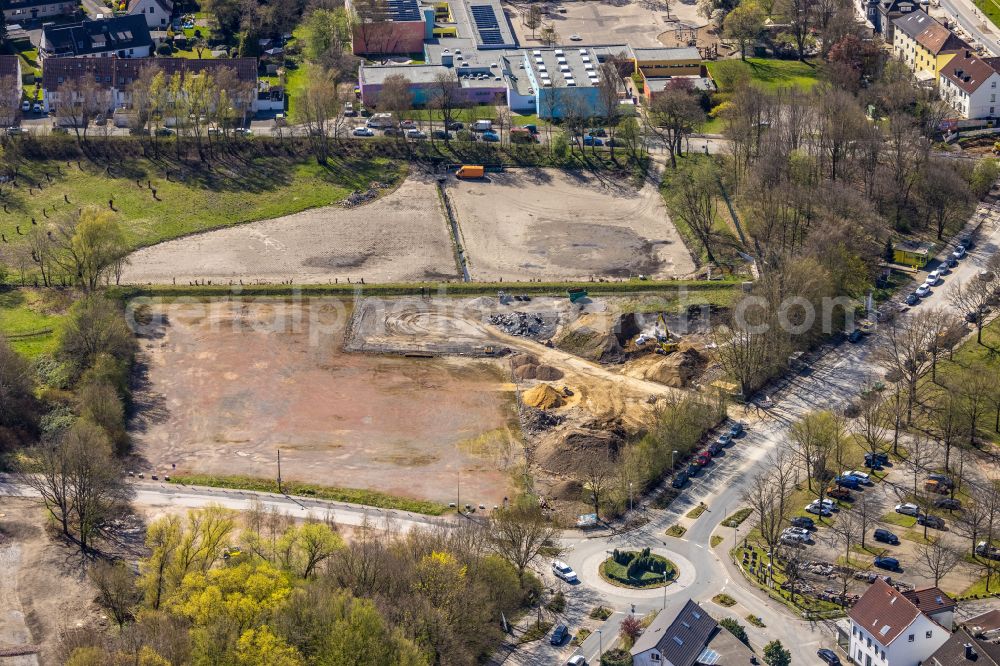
column 549, row 224
column 227, row 384
column 43, row 589
column 402, row 236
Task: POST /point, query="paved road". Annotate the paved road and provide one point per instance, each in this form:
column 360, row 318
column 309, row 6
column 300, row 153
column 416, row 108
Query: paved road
column 158, row 494
column 973, row 22
column 827, row 384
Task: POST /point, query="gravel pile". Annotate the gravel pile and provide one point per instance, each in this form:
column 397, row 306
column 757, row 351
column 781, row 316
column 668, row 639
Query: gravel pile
column 531, row 325
column 359, row 197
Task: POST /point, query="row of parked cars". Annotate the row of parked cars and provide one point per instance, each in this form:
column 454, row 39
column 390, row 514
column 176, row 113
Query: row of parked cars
column 962, row 247
column 704, row 458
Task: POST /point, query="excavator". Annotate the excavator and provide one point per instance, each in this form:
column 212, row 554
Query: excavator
column 664, row 345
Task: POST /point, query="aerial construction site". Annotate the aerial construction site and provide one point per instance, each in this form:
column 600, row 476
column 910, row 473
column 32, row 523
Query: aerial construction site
column 419, row 397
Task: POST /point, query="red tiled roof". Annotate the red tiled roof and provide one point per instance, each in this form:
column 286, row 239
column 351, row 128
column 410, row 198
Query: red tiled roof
column 8, row 66
column 930, row 600
column 967, row 71
column 988, row 621
column 883, row 612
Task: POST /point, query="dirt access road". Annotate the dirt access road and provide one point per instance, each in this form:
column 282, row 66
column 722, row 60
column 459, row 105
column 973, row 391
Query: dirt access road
column 401, row 237
column 555, row 225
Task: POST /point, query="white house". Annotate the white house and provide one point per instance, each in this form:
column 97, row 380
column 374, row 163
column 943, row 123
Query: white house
column 156, row 12
column 969, row 85
column 887, row 629
column 691, row 638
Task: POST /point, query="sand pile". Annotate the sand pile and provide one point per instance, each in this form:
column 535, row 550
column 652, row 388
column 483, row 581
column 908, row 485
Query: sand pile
column 571, row 454
column 542, row 396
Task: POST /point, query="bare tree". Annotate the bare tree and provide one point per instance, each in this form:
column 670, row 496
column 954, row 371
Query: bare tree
column 814, row 439
column 874, row 420
column 518, row 534
column 316, row 106
column 598, row 475
column 693, row 198
column 905, row 351
column 867, row 510
column 116, row 589
column 937, row 559
column 768, row 496
column 673, row 115
column 609, row 89
column 974, row 297
column 446, row 96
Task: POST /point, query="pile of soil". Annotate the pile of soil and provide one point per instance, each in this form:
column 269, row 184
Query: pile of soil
column 537, row 420
column 566, row 490
column 679, row 368
column 542, row 396
column 523, row 358
column 569, row 455
column 543, row 372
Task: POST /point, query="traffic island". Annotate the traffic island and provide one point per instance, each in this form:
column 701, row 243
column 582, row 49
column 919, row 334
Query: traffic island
column 641, row 570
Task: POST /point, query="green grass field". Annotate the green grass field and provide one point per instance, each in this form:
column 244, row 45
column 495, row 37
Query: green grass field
column 211, row 197
column 30, row 319
column 991, row 9
column 771, row 73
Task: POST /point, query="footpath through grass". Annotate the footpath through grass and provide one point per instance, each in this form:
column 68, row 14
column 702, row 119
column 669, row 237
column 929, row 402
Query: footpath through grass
column 349, row 495
column 191, row 200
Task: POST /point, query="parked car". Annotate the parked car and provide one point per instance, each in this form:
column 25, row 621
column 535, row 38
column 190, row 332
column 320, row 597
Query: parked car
column 828, row 656
column 885, row 536
column 959, row 252
column 392, row 131
column 680, row 479
column 818, row 509
column 951, row 261
column 736, row 429
column 851, row 482
column 415, row 134
column 559, row 635
column 804, row 522
column 491, row 136
column 908, row 509
column 798, row 532
column 876, row 460
column 933, row 278
column 912, row 299
column 890, row 563
column 597, row 131
column 863, row 477
column 985, row 550
column 576, row 660
column 349, row 110
column 942, row 479
column 407, row 124
column 26, row 106
column 789, row 540
column 442, row 134
column 564, row 571
column 839, row 493
column 724, row 439
column 36, row 108
column 692, row 470
column 948, row 503
column 363, row 131
column 715, row 448
column 455, row 125
column 592, row 141
column 703, row 459
column 923, row 291
column 243, row 131
column 930, row 521
column 14, row 131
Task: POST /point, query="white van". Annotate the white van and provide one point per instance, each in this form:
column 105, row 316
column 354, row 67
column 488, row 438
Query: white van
column 380, row 120
column 482, row 126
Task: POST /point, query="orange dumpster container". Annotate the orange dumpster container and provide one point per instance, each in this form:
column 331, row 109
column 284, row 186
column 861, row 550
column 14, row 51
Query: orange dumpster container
column 471, row 171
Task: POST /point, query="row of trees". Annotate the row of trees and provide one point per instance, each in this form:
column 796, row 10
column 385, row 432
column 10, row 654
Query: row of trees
column 297, row 593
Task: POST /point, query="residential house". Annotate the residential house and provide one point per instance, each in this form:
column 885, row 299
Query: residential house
column 156, row 12
column 887, row 629
column 114, row 79
column 882, row 13
column 10, row 89
column 690, row 638
column 119, row 36
column 935, row 604
column 912, row 253
column 23, row 11
column 969, row 85
column 924, row 44
column 974, row 644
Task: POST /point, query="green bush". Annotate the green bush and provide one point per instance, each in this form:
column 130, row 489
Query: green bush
column 616, row 657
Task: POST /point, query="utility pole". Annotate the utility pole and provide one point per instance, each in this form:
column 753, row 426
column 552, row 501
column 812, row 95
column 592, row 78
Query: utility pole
column 279, row 470
column 664, row 590
column 458, row 504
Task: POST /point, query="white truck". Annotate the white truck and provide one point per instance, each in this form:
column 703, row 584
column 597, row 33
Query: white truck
column 380, row 120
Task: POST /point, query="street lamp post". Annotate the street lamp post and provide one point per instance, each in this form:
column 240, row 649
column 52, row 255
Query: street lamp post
column 664, row 590
column 672, row 454
column 630, row 503
column 600, row 645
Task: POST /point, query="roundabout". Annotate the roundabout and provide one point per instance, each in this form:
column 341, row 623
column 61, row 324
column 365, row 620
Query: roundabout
column 590, row 573
column 637, row 570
